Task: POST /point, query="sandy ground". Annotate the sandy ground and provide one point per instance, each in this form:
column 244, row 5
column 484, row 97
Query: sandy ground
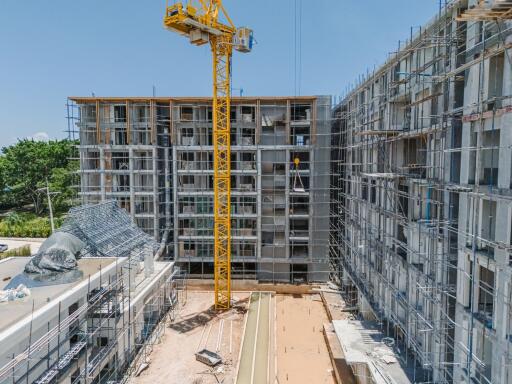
column 196, row 327
column 302, row 355
column 297, row 346
column 16, row 243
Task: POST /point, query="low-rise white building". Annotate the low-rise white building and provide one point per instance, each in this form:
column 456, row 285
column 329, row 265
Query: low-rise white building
column 88, row 330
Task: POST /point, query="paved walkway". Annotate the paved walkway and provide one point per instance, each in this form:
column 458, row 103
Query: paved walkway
column 15, row 242
column 255, row 358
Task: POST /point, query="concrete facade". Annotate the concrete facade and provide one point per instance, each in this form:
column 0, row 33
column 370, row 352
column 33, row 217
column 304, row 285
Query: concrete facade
column 155, row 157
column 422, row 194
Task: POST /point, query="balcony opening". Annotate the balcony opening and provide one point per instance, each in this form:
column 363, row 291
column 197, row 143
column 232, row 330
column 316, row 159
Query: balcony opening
column 299, row 205
column 187, row 160
column 120, row 161
column 187, row 181
column 187, row 205
column 299, row 249
column 247, row 161
column 403, row 201
column 187, row 136
column 300, row 136
column 186, row 113
column 299, row 228
column 299, row 273
column 486, row 296
column 364, row 189
column 460, row 85
column 300, row 112
column 120, row 113
column 140, row 113
column 248, row 114
column 456, row 143
column 495, row 87
column 247, row 250
column 490, row 158
column 373, row 192
column 247, row 183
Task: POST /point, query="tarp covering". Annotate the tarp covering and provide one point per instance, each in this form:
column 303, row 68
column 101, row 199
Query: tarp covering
column 57, row 254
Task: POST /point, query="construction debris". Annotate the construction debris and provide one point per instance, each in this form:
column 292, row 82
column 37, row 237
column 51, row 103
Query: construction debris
column 13, row 294
column 208, row 357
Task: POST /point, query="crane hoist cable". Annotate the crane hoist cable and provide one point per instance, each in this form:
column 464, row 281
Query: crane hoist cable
column 298, row 185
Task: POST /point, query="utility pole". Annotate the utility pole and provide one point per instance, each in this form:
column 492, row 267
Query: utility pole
column 50, row 209
column 50, row 206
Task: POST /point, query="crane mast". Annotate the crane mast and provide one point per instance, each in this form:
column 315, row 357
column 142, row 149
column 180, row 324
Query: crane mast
column 201, row 25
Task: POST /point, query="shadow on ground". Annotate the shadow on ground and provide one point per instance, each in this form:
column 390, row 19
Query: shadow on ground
column 200, row 319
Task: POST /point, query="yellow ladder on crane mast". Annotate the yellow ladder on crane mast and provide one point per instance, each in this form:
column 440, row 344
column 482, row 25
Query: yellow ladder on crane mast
column 201, row 25
column 222, row 51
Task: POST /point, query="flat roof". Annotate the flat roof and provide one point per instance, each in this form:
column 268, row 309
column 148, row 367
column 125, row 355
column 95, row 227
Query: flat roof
column 362, row 344
column 185, row 99
column 13, row 311
column 142, row 282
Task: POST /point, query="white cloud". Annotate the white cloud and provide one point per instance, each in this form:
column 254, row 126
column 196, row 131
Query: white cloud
column 40, row 136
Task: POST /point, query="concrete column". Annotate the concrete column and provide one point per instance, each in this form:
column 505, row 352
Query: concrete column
column 505, row 152
column 288, row 175
column 258, row 204
column 505, row 160
column 156, row 199
column 132, row 183
column 175, row 199
column 102, row 174
column 168, row 198
column 312, row 198
column 149, row 262
column 465, row 153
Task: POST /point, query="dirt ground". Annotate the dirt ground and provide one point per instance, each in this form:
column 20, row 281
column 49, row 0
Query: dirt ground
column 196, row 327
column 298, row 349
column 302, row 355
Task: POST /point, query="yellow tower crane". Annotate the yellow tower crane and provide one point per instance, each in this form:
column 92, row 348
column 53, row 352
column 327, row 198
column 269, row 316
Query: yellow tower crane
column 202, row 25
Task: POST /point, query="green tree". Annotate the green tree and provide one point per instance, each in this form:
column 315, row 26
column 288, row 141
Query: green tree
column 13, row 219
column 62, row 180
column 27, row 165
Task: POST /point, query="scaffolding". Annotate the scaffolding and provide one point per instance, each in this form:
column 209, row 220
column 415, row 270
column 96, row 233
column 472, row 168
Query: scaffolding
column 107, row 231
column 101, row 338
column 155, row 157
column 400, row 193
column 420, row 198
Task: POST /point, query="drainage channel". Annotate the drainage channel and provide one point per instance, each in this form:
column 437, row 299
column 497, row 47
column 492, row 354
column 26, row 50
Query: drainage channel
column 255, row 353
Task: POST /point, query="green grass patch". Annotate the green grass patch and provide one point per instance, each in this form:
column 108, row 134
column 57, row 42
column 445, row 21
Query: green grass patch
column 20, row 251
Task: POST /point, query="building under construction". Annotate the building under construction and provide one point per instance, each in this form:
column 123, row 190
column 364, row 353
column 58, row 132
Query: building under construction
column 421, row 195
column 155, row 157
column 401, row 192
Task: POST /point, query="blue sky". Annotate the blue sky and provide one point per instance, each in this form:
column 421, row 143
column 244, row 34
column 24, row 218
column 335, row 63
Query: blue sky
column 50, row 50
